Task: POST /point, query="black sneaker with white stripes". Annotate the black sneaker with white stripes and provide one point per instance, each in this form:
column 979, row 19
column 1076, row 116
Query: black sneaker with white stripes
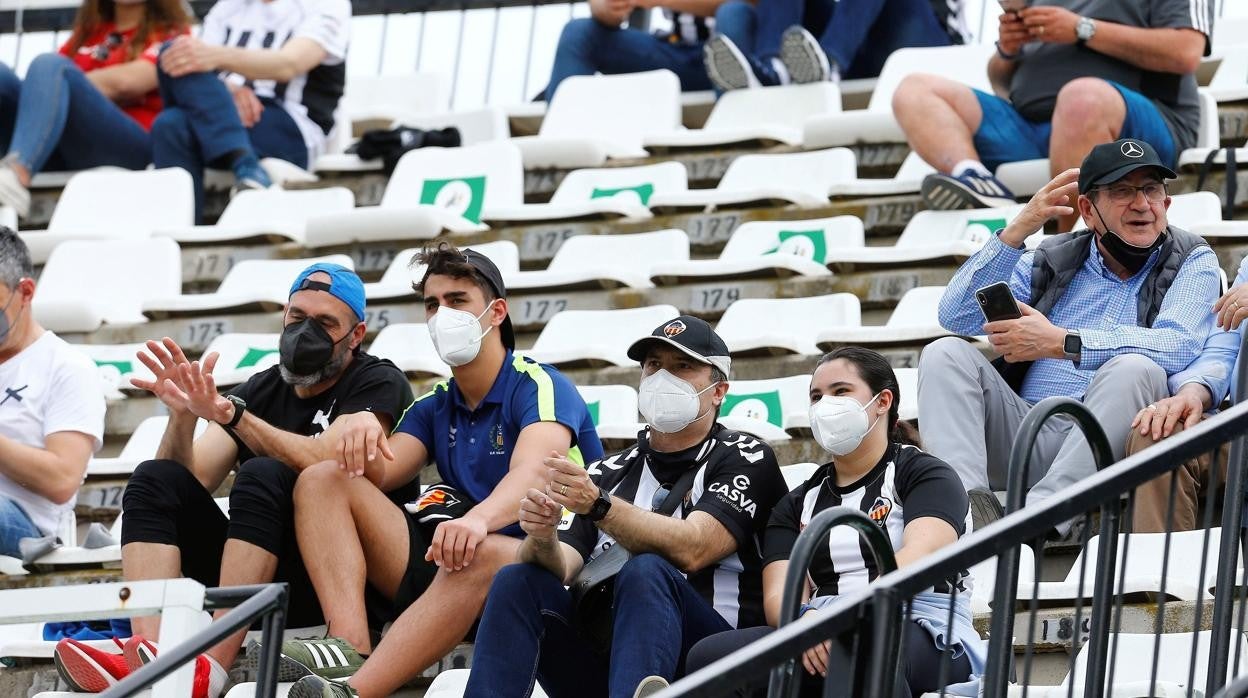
column 803, row 57
column 968, row 190
column 328, row 657
column 726, row 66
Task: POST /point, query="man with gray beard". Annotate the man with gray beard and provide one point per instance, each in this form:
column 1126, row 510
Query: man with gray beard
column 271, row 428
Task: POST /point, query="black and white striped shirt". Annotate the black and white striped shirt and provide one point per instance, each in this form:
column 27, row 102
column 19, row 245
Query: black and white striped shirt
column 737, row 482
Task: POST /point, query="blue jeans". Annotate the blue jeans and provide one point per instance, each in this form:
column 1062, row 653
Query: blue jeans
column 858, row 36
column 14, row 526
column 587, row 47
column 1005, row 136
column 526, row 633
column 57, row 119
column 200, row 126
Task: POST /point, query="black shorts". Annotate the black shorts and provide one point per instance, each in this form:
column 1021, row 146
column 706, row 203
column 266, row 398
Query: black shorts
column 420, row 572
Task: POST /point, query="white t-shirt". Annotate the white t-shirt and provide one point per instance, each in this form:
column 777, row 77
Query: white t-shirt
column 256, row 24
column 48, row 387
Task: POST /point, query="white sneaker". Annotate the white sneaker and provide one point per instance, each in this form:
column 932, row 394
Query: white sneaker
column 650, row 686
column 726, row 66
column 12, row 193
column 804, row 57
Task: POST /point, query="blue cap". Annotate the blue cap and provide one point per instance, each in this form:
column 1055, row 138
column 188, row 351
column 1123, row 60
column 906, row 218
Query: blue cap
column 343, row 285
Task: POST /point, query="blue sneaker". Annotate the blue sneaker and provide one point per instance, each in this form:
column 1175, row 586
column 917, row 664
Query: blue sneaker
column 968, row 190
column 248, row 174
column 730, row 69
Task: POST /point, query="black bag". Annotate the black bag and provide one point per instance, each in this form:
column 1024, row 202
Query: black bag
column 593, row 590
column 391, row 144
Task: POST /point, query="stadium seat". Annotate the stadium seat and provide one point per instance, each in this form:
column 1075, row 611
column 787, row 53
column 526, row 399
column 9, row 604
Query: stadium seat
column 600, row 193
column 908, row 384
column 265, row 216
column 409, row 346
column 86, row 285
column 906, row 181
column 431, row 190
column 596, row 337
column 380, row 99
column 770, row 326
column 984, row 578
column 797, row 473
column 931, row 236
column 1230, row 81
column 802, row 179
column 474, row 126
column 614, row 410
column 1201, row 213
column 876, row 124
column 117, row 364
column 115, row 204
column 914, row 321
column 595, row 117
column 769, row 408
column 769, row 249
column 766, row 116
column 69, row 554
column 451, row 684
column 604, row 261
column 242, row 355
column 251, row 286
column 141, row 446
column 396, row 282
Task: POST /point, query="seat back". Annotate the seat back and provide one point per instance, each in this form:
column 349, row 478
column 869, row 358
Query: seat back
column 908, row 385
column 1191, row 209
column 637, row 183
column 967, row 64
column 630, row 252
column 124, row 204
column 272, row 278
column 613, row 328
column 984, row 578
column 474, row 125
column 258, row 207
column 797, row 473
column 619, row 109
column 146, row 437
column 913, row 168
column 1230, row 32
column 813, row 172
column 244, row 354
column 917, row 308
column 462, row 180
column 785, row 105
column 1133, row 658
column 810, row 238
column 749, row 318
column 108, row 279
column 771, row 400
column 928, row 228
column 403, row 271
column 116, row 363
column 409, row 93
column 610, row 404
column 1209, row 135
column 404, row 342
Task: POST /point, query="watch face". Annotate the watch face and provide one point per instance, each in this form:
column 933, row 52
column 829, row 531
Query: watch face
column 1085, row 29
column 1072, row 344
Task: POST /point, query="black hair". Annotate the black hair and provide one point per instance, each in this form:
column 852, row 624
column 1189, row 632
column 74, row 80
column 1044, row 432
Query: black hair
column 878, row 374
column 445, row 259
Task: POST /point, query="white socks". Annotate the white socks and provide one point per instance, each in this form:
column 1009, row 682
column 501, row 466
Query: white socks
column 217, row 676
column 782, row 71
column 965, row 166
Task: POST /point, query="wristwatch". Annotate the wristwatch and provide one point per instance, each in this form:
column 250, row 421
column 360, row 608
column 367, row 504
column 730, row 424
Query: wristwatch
column 1007, row 56
column 1072, row 346
column 600, row 507
column 1085, row 29
column 240, row 406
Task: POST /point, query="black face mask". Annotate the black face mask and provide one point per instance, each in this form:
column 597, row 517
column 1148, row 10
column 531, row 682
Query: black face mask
column 1133, row 257
column 306, row 347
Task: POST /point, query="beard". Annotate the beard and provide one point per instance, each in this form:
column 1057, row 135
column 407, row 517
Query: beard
column 324, row 373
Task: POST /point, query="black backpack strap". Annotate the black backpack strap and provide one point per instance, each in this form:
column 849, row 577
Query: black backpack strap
column 677, row 494
column 1232, row 186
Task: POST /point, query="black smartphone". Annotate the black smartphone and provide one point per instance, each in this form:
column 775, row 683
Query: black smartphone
column 996, row 302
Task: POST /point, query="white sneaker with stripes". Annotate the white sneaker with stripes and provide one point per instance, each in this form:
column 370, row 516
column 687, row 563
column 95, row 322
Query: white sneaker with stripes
column 971, row 189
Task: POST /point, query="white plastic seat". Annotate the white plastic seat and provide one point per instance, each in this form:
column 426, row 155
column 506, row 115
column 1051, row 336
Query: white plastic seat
column 86, row 285
column 1230, row 82
column 908, row 384
column 914, row 321
column 1024, row 177
column 451, row 684
column 266, row 215
column 876, row 123
column 599, row 193
column 373, row 98
column 141, row 446
column 614, row 410
column 595, row 117
column 802, row 179
column 930, row 236
column 768, row 408
column 907, row 180
column 252, row 285
column 242, row 355
column 797, row 473
column 596, row 337
column 769, row 248
column 609, row 261
column 771, row 326
column 409, row 346
column 767, row 115
column 1201, row 213
column 474, row 126
column 396, row 281
column 70, row 555
column 431, row 190
column 984, row 577
column 115, row 204
column 117, row 364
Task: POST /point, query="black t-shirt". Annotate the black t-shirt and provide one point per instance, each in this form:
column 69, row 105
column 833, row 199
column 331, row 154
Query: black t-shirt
column 737, row 482
column 906, row 484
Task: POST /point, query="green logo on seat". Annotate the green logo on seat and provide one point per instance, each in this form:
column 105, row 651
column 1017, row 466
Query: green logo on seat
column 764, row 406
column 253, row 356
column 980, row 229
column 643, row 192
column 593, row 410
column 461, row 195
column 123, row 367
column 810, row 244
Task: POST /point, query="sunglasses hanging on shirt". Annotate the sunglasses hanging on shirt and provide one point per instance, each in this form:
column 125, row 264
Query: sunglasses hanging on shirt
column 104, row 50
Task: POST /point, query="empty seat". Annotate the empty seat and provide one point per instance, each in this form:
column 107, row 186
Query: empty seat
column 797, row 473
column 1201, row 213
column 388, row 98
column 769, row 248
column 595, row 117
column 117, row 364
column 907, row 180
column 431, row 190
column 604, row 261
column 931, row 236
column 908, row 384
column 596, row 337
column 613, row 409
column 265, row 215
column 984, row 577
column 767, row 408
column 118, row 204
column 252, row 285
column 1230, row 82
column 474, row 126
column 410, row 347
column 914, row 321
column 396, row 282
column 801, row 179
column 766, row 116
column 770, row 326
column 600, row 193
column 451, row 684
column 86, row 285
column 242, row 355
column 141, row 446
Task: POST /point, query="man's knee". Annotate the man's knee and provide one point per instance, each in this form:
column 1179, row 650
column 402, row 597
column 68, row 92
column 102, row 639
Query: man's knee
column 916, row 86
column 945, row 353
column 156, row 483
column 1137, row 442
column 319, row 478
column 1134, row 369
column 644, row 570
column 46, row 64
column 264, row 482
column 580, row 33
column 1085, row 103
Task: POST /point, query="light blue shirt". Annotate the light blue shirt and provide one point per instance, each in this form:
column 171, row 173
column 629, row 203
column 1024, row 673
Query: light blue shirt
column 1098, row 304
column 1215, row 367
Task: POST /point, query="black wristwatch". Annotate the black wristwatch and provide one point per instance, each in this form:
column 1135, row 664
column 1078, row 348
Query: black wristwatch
column 600, row 506
column 240, row 406
column 1007, row 56
column 1072, row 346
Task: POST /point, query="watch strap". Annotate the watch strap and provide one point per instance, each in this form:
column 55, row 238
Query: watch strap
column 239, row 408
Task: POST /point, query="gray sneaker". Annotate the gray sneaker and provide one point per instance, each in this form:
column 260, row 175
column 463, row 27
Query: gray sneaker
column 803, row 57
column 650, row 686
column 726, row 66
column 12, row 193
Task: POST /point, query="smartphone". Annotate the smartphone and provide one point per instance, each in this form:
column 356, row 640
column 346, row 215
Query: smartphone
column 996, row 302
column 1013, row 5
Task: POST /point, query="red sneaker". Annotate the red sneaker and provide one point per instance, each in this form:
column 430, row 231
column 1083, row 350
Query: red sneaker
column 137, row 651
column 86, row 669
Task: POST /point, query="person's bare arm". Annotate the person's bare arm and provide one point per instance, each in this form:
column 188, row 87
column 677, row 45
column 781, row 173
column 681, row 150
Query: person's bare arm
column 539, row 517
column 610, row 13
column 1000, row 73
column 698, row 8
column 126, row 82
column 1161, row 49
column 923, row 536
column 295, row 450
column 188, row 54
column 1011, row 35
column 53, row 472
column 364, row 447
column 214, row 456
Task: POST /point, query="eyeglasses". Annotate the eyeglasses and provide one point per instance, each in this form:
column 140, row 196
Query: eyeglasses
column 1124, row 193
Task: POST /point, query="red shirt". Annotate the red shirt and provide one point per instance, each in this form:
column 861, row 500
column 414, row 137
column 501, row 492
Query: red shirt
column 108, row 47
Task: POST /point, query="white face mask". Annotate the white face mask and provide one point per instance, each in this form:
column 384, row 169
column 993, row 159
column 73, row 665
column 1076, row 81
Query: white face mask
column 457, row 334
column 668, row 403
column 839, row 423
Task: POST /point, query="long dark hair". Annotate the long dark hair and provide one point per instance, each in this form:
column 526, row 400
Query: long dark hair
column 876, row 372
column 161, row 17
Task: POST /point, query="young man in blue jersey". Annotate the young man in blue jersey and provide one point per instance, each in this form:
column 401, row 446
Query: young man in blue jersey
column 488, row 429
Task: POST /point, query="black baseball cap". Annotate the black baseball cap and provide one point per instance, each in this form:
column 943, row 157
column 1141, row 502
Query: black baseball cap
column 486, row 268
column 691, row 335
column 1110, row 162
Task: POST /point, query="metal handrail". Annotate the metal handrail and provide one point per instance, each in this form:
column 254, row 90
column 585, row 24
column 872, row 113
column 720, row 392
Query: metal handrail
column 782, row 683
column 267, row 601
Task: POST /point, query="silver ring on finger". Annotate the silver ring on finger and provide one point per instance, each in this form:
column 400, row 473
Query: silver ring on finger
column 563, row 490
column 1152, row 408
